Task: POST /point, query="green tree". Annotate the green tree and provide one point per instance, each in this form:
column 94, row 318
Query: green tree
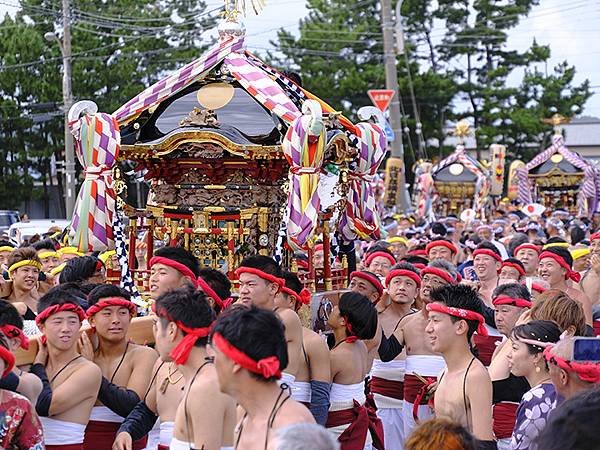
column 119, row 47
column 339, row 54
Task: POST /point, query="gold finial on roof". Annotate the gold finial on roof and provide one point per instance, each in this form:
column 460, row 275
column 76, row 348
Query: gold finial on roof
column 233, row 8
column 462, row 130
column 556, row 121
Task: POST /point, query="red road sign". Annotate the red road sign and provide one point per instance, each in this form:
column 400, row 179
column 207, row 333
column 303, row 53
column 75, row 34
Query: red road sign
column 381, row 98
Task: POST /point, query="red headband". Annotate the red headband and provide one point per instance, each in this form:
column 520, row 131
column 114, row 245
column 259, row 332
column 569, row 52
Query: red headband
column 440, row 243
column 418, row 252
column 223, row 304
column 69, row 307
column 374, row 255
column 562, row 263
column 506, row 300
column 594, row 236
column 8, row 358
column 464, row 314
column 403, row 273
column 15, row 332
column 533, row 247
column 515, row 266
column 318, row 247
column 181, row 352
column 538, row 288
column 183, row 269
column 370, row 278
column 419, row 266
column 587, row 371
column 303, row 298
column 111, row 301
column 259, row 273
column 487, row 252
column 438, row 273
column 267, row 367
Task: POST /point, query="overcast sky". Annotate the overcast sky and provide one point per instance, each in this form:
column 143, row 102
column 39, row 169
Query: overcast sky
column 570, row 27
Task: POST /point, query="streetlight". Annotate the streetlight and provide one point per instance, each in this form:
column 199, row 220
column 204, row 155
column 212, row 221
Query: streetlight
column 65, row 49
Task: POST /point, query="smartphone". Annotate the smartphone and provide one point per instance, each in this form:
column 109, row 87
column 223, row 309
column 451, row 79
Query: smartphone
column 470, row 274
column 586, row 349
column 42, row 276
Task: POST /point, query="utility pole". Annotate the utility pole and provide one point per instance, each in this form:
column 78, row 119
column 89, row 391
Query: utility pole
column 391, row 81
column 70, row 183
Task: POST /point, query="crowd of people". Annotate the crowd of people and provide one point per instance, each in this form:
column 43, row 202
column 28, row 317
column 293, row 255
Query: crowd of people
column 450, row 335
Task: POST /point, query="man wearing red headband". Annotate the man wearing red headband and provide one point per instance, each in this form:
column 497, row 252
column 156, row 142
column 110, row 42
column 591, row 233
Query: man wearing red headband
column 21, row 427
column 260, row 280
column 366, row 283
column 487, row 262
column 171, row 268
column 528, row 254
column 217, row 288
column 350, row 418
column 313, row 380
column 422, row 363
column 11, row 325
column 386, row 384
column 570, row 377
column 556, row 269
column 441, row 249
column 379, row 261
column 318, row 256
column 250, row 355
column 510, row 301
column 205, row 417
column 512, row 270
column 70, row 382
column 464, row 392
column 590, row 282
column 126, row 367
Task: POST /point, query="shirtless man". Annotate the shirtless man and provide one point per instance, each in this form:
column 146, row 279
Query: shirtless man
column 70, row 382
column 314, row 373
column 5, row 250
column 126, row 367
column 510, row 301
column 48, row 255
column 441, row 249
column 366, row 283
column 529, row 254
column 556, row 269
column 260, row 281
column 487, row 262
column 11, row 325
column 464, row 391
column 511, row 270
column 387, row 378
column 422, row 363
column 590, row 282
column 205, row 418
column 170, row 268
column 250, row 350
column 352, row 320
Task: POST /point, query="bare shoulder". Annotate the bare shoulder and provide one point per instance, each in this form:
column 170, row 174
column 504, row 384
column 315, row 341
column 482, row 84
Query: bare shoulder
column 409, row 320
column 143, row 352
column 292, row 413
column 288, row 316
column 311, row 338
column 478, row 374
column 86, row 370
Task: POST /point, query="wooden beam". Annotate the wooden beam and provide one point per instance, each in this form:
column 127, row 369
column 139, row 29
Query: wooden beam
column 140, row 332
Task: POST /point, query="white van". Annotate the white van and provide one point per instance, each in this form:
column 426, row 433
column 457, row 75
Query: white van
column 21, row 231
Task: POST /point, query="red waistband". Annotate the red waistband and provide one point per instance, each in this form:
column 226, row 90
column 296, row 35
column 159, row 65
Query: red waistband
column 100, row 435
column 414, row 388
column 486, row 345
column 65, row 447
column 360, row 420
column 505, row 417
column 387, row 388
column 596, row 327
column 163, row 447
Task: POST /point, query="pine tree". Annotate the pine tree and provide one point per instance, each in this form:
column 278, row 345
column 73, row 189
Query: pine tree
column 119, row 47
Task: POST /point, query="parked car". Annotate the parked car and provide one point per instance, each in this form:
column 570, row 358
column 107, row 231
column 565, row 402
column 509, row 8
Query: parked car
column 22, row 231
column 7, row 218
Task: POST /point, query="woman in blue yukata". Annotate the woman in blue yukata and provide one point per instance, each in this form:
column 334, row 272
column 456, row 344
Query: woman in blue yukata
column 526, row 360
